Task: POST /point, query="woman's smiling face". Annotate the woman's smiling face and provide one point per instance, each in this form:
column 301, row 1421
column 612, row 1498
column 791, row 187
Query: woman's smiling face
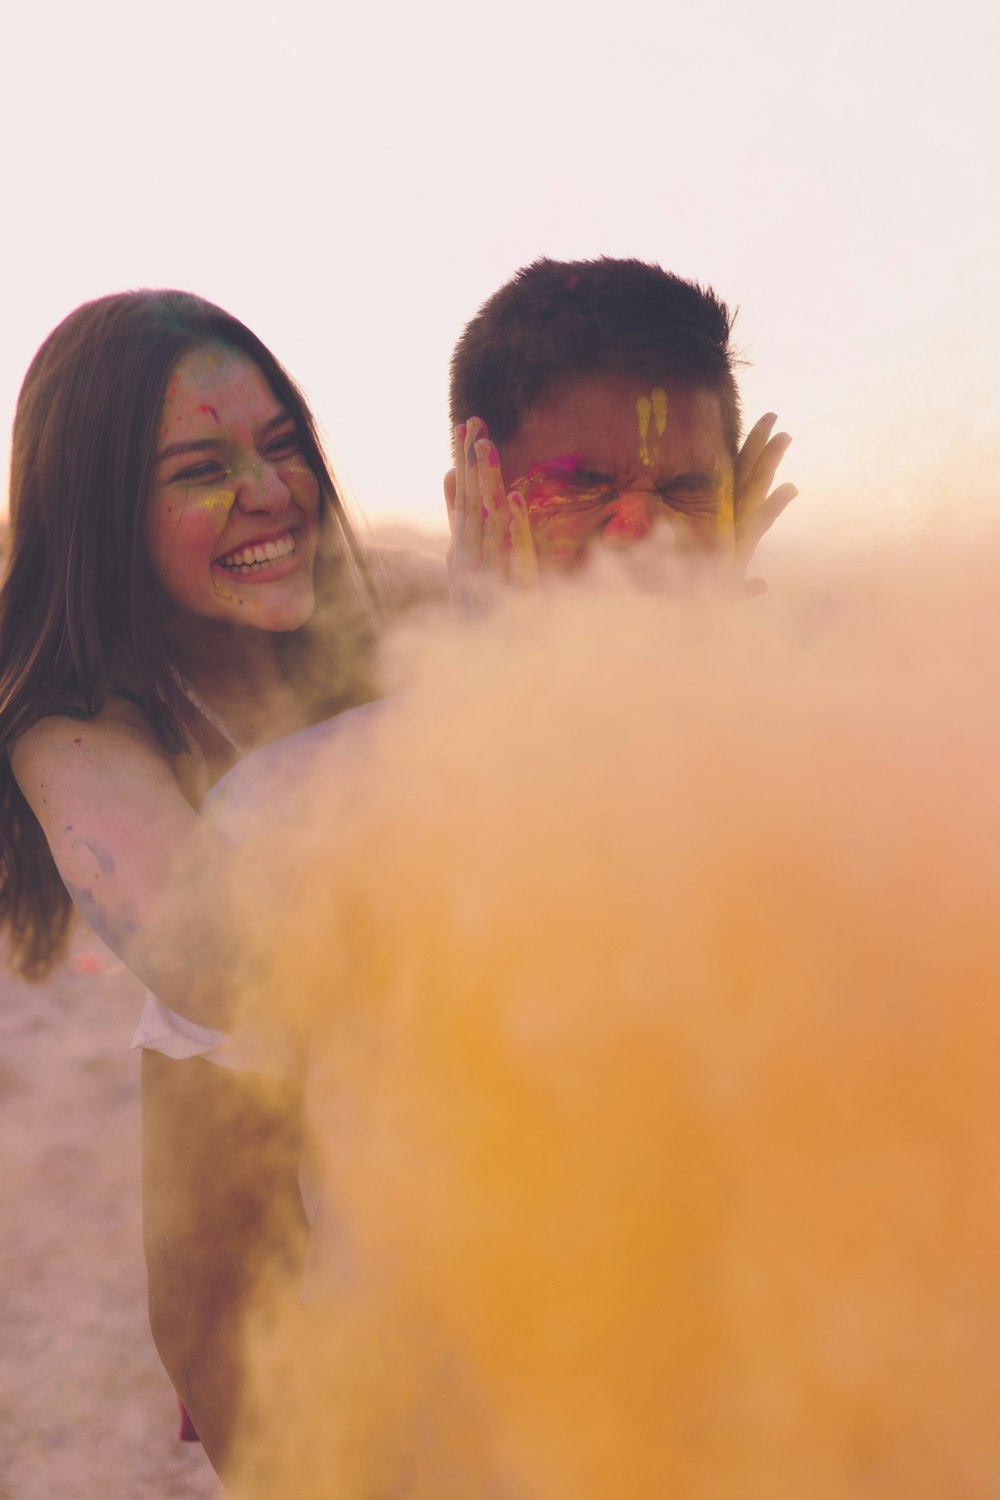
column 233, row 517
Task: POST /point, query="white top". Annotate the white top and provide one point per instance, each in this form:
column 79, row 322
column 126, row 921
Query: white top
column 253, row 782
column 163, row 1030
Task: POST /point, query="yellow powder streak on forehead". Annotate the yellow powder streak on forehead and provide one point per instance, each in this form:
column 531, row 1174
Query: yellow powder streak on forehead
column 644, row 410
column 659, row 397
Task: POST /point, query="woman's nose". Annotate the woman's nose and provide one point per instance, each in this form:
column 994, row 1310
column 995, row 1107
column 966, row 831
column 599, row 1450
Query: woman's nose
column 261, row 488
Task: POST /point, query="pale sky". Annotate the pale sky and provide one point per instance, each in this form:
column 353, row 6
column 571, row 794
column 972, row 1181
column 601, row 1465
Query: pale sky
column 353, row 181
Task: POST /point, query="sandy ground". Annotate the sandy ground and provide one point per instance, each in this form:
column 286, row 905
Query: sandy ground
column 86, row 1410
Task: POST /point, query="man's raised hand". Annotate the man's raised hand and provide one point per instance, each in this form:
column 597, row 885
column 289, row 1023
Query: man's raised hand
column 490, row 531
column 756, row 506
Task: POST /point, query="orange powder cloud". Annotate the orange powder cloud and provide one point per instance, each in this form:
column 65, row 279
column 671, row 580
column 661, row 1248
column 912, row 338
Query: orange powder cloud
column 649, row 957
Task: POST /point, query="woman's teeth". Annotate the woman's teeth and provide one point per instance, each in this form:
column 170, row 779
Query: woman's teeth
column 250, row 559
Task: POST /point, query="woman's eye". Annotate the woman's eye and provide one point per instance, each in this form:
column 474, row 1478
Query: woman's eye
column 199, row 471
column 282, row 446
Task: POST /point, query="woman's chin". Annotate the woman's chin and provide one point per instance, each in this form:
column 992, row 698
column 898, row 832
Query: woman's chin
column 273, row 608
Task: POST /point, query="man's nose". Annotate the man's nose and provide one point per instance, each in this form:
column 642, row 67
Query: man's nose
column 635, row 514
column 260, row 487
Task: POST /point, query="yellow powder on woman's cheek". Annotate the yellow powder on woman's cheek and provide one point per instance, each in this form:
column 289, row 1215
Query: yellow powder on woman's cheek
column 220, row 501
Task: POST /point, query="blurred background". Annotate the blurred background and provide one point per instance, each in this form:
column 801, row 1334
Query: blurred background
column 353, row 181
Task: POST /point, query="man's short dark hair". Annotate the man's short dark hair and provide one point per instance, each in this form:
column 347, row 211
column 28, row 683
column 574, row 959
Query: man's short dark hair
column 557, row 320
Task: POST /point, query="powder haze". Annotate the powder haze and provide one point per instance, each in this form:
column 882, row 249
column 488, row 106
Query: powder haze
column 648, row 955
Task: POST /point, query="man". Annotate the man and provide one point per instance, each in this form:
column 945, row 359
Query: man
column 595, row 402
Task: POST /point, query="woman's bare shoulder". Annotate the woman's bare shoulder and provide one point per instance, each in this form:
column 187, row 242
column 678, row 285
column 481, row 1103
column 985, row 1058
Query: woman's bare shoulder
column 119, row 730
column 119, row 715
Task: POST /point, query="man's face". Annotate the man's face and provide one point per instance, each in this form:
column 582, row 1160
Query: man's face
column 612, row 459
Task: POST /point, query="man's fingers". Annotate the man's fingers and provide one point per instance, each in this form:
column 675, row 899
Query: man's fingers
column 772, row 507
column 758, row 524
column 753, row 446
column 497, row 522
column 450, row 490
column 491, row 533
column 450, row 485
column 474, row 429
column 456, row 500
column 761, row 477
column 756, row 508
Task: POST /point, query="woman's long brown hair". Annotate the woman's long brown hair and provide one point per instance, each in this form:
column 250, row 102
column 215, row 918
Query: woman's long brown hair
column 81, row 602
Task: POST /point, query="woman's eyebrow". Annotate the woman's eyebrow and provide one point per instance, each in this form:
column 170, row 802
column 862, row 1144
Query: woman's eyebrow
column 195, row 445
column 278, row 420
column 199, row 445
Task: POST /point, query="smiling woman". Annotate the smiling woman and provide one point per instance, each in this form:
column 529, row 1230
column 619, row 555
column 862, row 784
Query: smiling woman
column 182, row 586
column 173, row 522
